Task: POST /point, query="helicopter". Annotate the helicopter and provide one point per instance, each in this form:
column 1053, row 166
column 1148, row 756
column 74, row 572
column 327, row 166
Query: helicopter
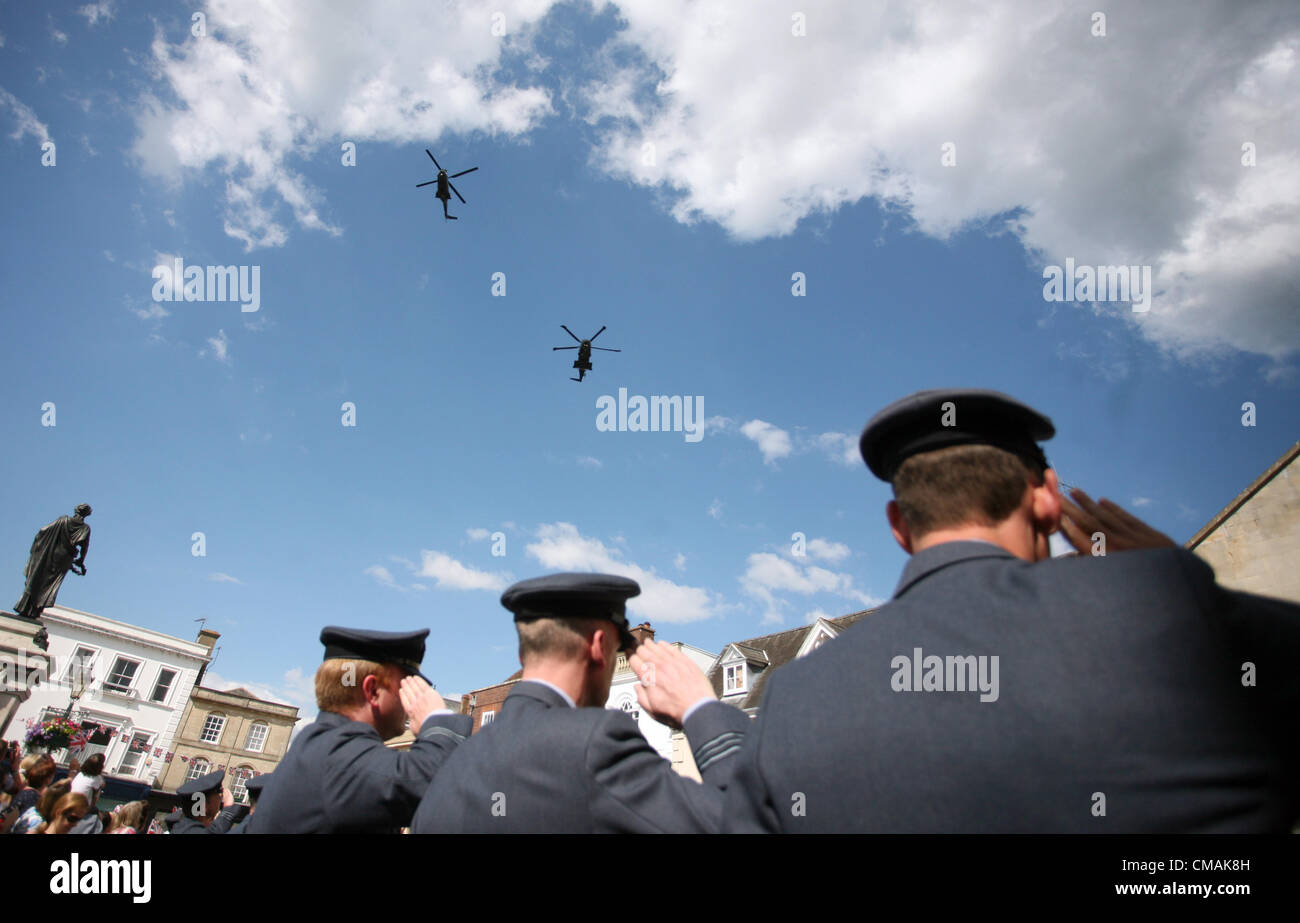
column 584, row 348
column 445, row 188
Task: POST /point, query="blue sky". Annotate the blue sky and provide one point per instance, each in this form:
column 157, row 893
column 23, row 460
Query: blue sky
column 770, row 153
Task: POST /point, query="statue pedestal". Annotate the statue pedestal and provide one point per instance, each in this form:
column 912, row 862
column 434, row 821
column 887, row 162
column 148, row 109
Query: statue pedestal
column 23, row 665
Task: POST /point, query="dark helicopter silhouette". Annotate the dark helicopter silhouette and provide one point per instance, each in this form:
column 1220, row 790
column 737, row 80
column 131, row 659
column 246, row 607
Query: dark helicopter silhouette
column 584, row 348
column 445, row 188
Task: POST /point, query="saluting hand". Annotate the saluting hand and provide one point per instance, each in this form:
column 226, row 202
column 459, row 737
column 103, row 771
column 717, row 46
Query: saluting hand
column 1123, row 530
column 419, row 699
column 670, row 682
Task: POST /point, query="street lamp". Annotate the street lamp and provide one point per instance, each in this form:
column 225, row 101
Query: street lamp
column 81, row 678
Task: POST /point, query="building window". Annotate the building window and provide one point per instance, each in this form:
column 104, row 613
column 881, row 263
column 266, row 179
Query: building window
column 488, row 717
column 212, row 729
column 120, row 677
column 822, row 638
column 239, row 782
column 137, row 748
column 257, row 732
column 162, row 685
column 735, row 679
column 79, row 667
column 199, row 767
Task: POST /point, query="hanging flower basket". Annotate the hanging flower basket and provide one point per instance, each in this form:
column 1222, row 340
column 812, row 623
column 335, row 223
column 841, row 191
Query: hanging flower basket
column 51, row 734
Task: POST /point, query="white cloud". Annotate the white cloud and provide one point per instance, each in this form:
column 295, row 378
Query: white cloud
column 820, row 548
column 94, row 12
column 382, row 575
column 679, row 561
column 267, row 89
column 28, row 123
column 715, row 508
column 154, row 311
column 220, row 347
column 587, row 461
column 840, row 448
column 224, row 578
column 1122, row 149
column 60, row 37
column 772, row 441
column 450, row 574
column 477, row 535
column 561, row 547
column 816, row 614
column 1141, row 501
column 767, row 575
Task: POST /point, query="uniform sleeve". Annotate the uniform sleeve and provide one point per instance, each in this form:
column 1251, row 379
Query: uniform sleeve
column 635, row 790
column 369, row 786
column 748, row 807
column 227, row 818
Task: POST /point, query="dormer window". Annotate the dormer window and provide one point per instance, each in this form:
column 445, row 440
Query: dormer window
column 734, row 679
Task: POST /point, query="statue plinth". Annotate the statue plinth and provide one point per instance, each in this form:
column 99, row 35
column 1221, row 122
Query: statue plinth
column 23, row 663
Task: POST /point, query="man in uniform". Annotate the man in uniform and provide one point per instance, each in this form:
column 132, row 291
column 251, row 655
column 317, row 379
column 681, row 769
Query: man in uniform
column 338, row 777
column 1003, row 690
column 254, row 788
column 207, row 806
column 556, row 760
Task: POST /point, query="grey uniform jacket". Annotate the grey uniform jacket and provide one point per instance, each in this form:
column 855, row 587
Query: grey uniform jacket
column 545, row 767
column 338, row 777
column 1133, row 694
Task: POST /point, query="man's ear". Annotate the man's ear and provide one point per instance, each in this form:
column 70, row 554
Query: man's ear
column 597, row 646
column 902, row 534
column 1047, row 503
column 370, row 687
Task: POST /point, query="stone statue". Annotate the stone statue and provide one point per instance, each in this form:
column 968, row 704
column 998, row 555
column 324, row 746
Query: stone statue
column 59, row 547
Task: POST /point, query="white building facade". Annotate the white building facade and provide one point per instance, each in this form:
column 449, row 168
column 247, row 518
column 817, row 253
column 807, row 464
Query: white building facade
column 670, row 744
column 129, row 684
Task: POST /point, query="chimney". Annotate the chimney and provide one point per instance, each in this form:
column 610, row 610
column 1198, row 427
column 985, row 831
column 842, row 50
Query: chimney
column 208, row 638
column 643, row 633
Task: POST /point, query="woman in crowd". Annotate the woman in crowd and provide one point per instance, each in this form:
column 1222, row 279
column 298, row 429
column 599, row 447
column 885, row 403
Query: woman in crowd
column 66, row 813
column 90, row 780
column 37, row 771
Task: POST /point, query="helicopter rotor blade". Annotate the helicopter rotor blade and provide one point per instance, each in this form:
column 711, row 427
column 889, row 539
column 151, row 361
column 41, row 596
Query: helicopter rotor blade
column 606, row 349
column 462, row 172
column 554, row 348
column 458, row 195
column 570, row 333
column 596, row 334
column 429, row 183
column 434, row 159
